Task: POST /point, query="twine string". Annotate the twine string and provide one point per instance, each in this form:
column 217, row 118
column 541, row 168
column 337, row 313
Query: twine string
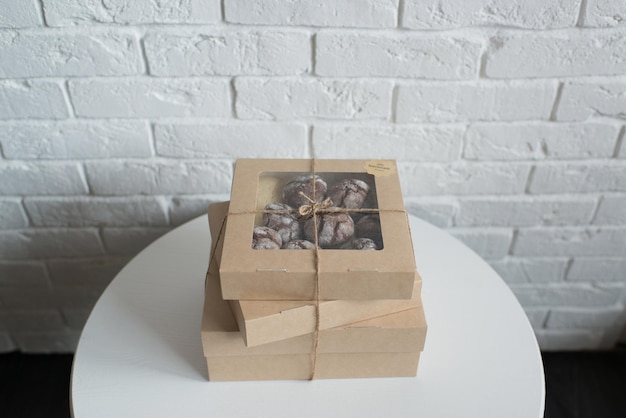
column 316, row 337
column 314, row 206
column 311, row 210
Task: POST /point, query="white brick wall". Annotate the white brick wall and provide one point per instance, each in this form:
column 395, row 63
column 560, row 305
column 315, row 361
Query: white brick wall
column 475, row 101
column 567, row 53
column 539, row 141
column 531, row 270
column 88, row 12
column 525, row 211
column 45, row 178
column 120, row 120
column 308, row 98
column 150, row 98
column 530, row 14
column 595, row 176
column 50, row 242
column 133, row 177
column 603, row 13
column 11, row 214
column 19, row 14
column 599, row 269
column 21, row 99
column 342, row 13
column 18, row 273
column 581, row 101
column 572, row 241
column 413, row 142
column 398, row 54
column 185, row 208
column 463, row 178
column 96, row 211
column 68, row 139
column 231, row 140
column 232, row 52
column 39, row 54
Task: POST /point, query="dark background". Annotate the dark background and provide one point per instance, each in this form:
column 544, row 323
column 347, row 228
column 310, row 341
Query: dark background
column 578, row 385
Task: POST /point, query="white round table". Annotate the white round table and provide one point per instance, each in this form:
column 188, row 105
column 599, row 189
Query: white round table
column 140, row 353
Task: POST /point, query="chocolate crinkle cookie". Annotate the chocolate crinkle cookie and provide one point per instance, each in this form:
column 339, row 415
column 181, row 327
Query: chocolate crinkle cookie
column 299, row 244
column 304, row 184
column 349, row 193
column 369, row 227
column 284, row 222
column 360, row 244
column 264, row 238
column 333, row 229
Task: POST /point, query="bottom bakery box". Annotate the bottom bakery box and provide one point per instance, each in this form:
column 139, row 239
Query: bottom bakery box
column 388, row 346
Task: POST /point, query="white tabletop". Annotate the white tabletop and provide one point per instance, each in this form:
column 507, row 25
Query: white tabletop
column 140, row 353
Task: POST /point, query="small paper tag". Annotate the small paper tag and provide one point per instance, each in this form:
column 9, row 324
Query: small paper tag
column 379, row 168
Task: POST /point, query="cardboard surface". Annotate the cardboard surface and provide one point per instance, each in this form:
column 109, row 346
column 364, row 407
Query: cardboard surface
column 387, row 346
column 249, row 274
column 262, row 322
column 298, row 366
column 400, row 332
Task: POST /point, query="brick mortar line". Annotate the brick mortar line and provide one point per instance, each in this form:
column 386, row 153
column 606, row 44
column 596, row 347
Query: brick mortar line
column 157, row 158
column 619, row 143
column 582, row 14
column 223, row 11
column 557, row 101
column 568, row 267
column 400, row 14
column 416, row 199
column 165, row 203
column 153, row 159
column 596, row 208
column 371, row 122
column 465, row 228
column 392, row 30
column 145, row 62
column 232, row 96
column 152, row 139
column 513, row 242
column 589, row 79
column 394, row 106
column 357, row 123
column 71, row 111
column 310, row 143
column 97, row 198
column 592, row 162
column 443, row 199
column 25, row 213
column 482, row 64
column 41, row 12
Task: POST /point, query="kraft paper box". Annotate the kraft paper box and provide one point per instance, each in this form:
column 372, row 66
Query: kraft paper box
column 252, row 274
column 263, row 322
column 298, row 366
column 387, row 346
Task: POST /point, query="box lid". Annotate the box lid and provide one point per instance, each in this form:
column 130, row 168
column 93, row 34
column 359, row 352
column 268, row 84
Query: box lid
column 247, row 273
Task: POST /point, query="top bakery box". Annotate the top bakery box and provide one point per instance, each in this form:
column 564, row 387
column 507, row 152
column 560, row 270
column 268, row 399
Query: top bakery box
column 387, row 272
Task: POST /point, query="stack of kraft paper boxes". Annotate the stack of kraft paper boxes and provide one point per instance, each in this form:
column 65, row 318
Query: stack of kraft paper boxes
column 346, row 306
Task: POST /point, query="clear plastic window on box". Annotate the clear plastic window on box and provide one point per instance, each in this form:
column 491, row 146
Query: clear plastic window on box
column 345, row 207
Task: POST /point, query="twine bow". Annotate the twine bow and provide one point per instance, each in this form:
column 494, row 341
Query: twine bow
column 307, row 210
